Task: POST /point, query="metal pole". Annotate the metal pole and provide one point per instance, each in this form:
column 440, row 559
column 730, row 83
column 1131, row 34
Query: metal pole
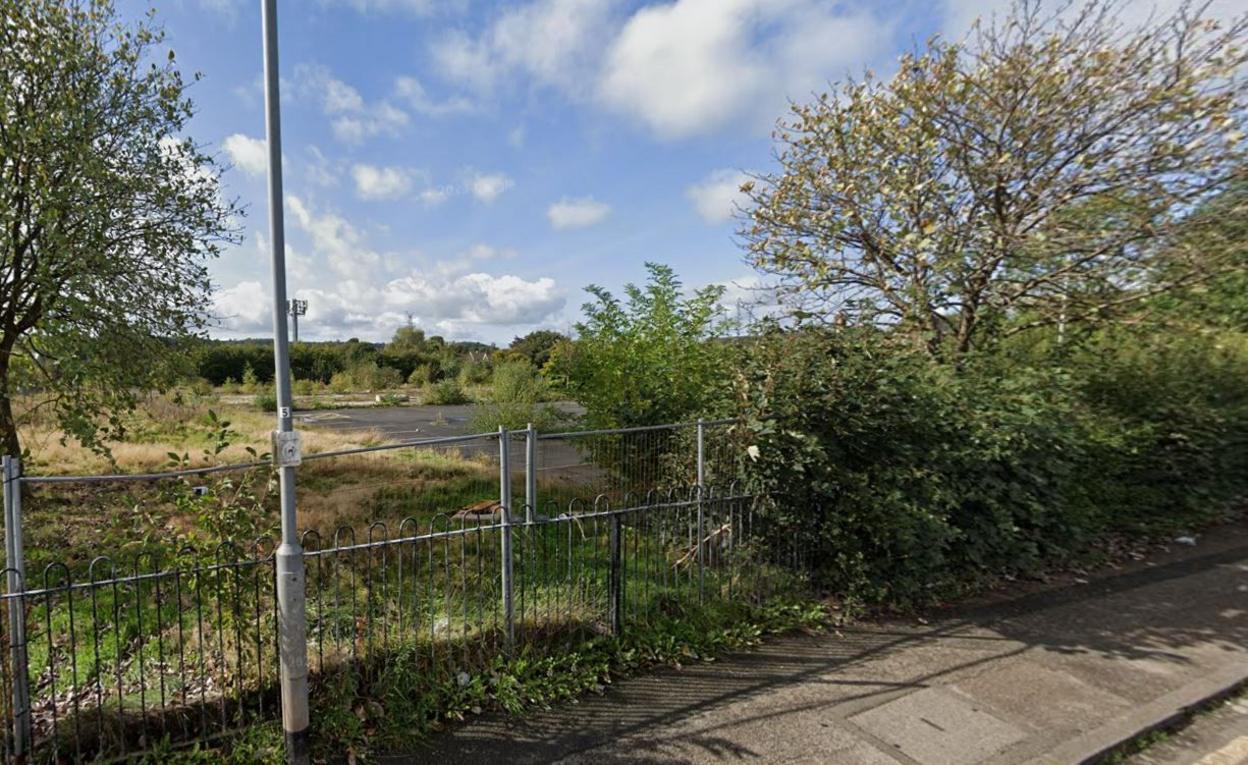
column 292, row 617
column 615, row 578
column 294, row 324
column 530, row 473
column 16, row 564
column 504, row 499
column 701, row 524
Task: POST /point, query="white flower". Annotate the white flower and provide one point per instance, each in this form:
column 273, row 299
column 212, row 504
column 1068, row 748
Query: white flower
column 752, row 450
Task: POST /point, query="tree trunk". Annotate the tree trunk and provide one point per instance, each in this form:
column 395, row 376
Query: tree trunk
column 8, row 425
column 8, row 428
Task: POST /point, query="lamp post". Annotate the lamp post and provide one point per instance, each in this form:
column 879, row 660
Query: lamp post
column 292, row 617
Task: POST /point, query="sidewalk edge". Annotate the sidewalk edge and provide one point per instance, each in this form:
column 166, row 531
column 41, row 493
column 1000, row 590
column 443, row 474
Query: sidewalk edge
column 1165, row 712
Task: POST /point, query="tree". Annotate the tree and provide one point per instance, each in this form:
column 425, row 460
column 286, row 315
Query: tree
column 107, row 214
column 408, row 337
column 652, row 360
column 1041, row 171
column 536, row 346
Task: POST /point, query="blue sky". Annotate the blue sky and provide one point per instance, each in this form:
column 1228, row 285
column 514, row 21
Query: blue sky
column 476, row 164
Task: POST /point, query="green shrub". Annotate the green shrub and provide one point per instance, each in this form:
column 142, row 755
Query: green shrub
column 446, row 393
column 421, row 376
column 474, row 373
column 250, row 380
column 341, row 382
column 306, row 387
column 911, row 479
column 385, row 378
column 266, row 401
column 516, row 398
column 655, row 357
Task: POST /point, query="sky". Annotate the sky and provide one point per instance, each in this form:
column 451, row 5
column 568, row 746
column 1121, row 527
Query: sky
column 474, row 165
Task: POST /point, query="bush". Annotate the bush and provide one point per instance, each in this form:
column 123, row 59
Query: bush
column 386, row 377
column 911, row 479
column 651, row 359
column 446, row 393
column 250, row 380
column 340, row 382
column 305, row 387
column 421, row 376
column 517, row 393
column 474, row 373
column 266, row 401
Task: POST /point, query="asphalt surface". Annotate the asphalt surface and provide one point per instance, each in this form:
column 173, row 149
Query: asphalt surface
column 1048, row 673
column 405, row 423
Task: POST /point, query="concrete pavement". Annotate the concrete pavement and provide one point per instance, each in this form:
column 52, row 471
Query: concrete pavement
column 1217, row 736
column 1053, row 674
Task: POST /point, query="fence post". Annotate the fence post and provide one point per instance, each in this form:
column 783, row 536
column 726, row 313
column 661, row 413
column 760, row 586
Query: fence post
column 530, row 473
column 504, row 498
column 701, row 522
column 615, row 579
column 16, row 564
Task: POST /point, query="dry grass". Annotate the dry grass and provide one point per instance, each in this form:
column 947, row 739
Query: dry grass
column 352, row 491
column 163, row 425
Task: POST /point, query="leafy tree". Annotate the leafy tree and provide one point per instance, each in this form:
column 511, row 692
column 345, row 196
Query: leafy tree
column 1220, row 302
column 536, row 346
column 407, row 338
column 107, row 214
column 650, row 360
column 1042, row 171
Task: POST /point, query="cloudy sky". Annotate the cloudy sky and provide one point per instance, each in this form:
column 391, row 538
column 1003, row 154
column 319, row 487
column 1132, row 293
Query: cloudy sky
column 475, row 164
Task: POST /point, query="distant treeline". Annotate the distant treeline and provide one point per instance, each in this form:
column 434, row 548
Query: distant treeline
column 221, row 361
column 410, row 355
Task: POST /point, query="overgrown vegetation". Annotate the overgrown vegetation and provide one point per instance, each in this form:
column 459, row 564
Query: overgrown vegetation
column 917, row 480
column 519, row 396
column 653, row 358
column 363, row 712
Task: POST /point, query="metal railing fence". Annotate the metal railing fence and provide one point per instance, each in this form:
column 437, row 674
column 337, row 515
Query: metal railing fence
column 595, row 533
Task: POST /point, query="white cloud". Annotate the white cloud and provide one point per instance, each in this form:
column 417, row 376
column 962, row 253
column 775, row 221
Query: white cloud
column 488, row 187
column 557, row 42
column 319, row 171
column 413, row 93
column 693, row 66
column 435, row 195
column 355, row 289
column 251, row 155
column 415, row 7
column 475, row 298
column 372, row 182
column 334, row 237
column 244, row 308
column 680, row 67
column 353, row 119
column 577, row 213
column 718, row 196
column 464, row 60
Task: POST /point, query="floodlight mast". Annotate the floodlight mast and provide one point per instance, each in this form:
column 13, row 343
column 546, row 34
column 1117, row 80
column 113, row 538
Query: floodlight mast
column 292, row 616
column 296, row 308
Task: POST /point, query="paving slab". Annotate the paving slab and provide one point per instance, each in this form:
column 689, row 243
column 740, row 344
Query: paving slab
column 1052, row 674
